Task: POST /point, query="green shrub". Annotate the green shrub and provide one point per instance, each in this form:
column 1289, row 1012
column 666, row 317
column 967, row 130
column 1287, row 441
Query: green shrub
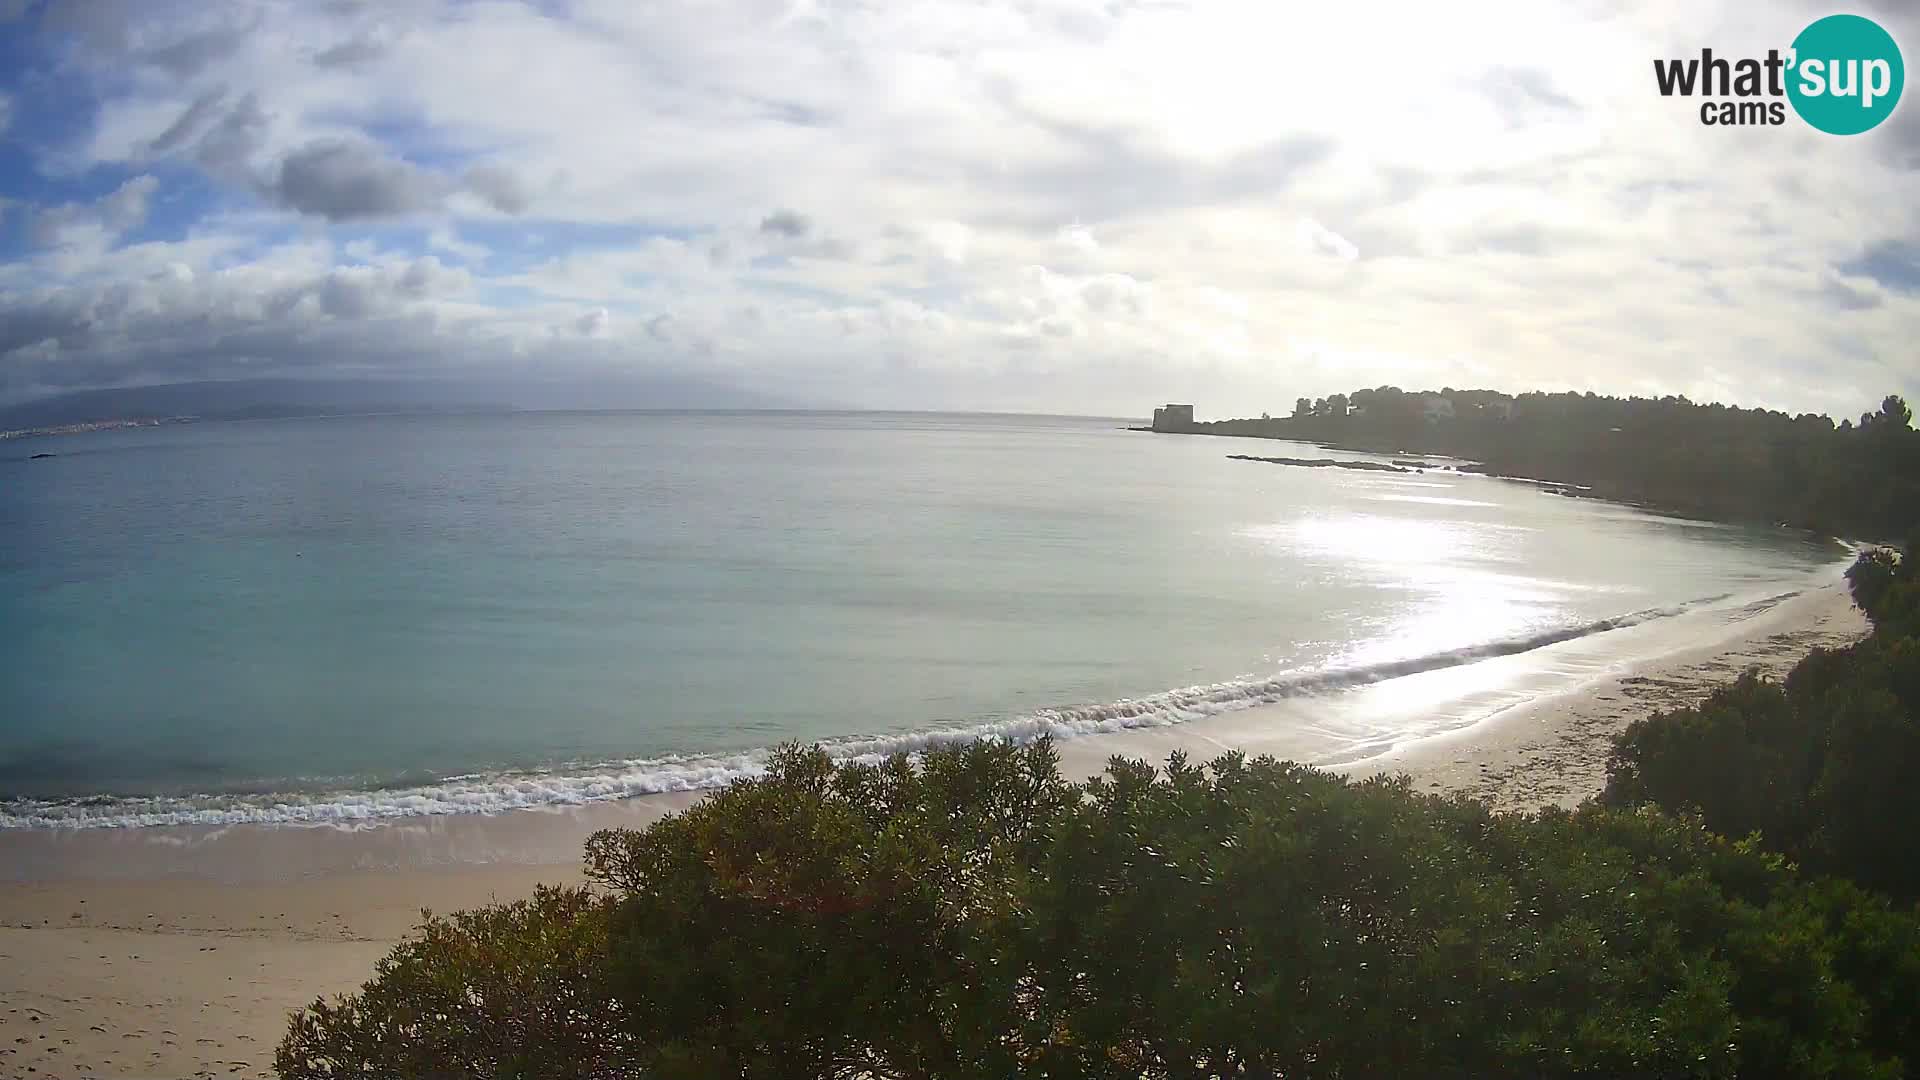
column 1820, row 767
column 518, row 990
column 972, row 914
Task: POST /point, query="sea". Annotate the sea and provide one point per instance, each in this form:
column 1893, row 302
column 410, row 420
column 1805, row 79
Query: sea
column 348, row 620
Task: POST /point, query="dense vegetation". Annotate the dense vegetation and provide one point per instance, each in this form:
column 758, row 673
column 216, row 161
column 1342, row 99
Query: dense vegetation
column 1855, row 479
column 1825, row 767
column 972, row 914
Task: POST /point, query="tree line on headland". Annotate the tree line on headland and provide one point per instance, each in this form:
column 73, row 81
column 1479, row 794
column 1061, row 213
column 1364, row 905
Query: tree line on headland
column 1854, row 478
column 1740, row 902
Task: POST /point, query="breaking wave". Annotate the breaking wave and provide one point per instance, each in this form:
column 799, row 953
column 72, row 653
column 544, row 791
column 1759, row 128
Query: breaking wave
column 495, row 792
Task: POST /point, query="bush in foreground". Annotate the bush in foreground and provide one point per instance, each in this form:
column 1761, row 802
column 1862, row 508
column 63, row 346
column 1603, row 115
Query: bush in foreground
column 1821, row 767
column 972, row 914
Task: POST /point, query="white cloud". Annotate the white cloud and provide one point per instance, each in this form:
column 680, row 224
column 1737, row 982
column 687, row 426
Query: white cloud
column 1317, row 239
column 879, row 203
column 1078, row 237
column 94, row 226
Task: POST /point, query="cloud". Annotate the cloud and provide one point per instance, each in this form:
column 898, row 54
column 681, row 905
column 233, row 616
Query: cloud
column 192, row 120
column 229, row 148
column 171, row 322
column 500, row 187
column 1055, row 204
column 1317, row 239
column 351, row 53
column 6, row 112
column 126, row 208
column 114, row 214
column 1079, row 238
column 104, row 24
column 1894, row 264
column 189, row 55
column 785, row 223
column 346, row 181
column 1527, row 95
column 1846, row 297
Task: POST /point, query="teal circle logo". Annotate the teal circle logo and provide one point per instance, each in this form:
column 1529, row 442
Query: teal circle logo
column 1846, row 74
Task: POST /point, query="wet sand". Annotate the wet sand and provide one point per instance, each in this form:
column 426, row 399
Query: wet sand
column 1552, row 751
column 179, row 952
column 1519, row 732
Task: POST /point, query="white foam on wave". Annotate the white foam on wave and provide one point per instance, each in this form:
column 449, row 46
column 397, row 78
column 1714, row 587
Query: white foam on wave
column 494, row 793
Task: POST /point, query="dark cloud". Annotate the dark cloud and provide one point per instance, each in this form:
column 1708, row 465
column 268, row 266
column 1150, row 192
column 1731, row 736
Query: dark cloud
column 425, row 277
column 1844, row 297
column 500, row 187
column 193, row 54
column 172, row 326
column 192, row 119
column 350, row 53
column 357, row 292
column 103, row 24
column 349, row 295
column 1894, row 264
column 346, row 181
column 786, row 223
column 332, row 178
column 227, row 149
column 345, row 322
column 27, row 321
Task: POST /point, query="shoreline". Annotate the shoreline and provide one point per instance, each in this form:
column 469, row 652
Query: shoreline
column 1535, row 734
column 1290, row 702
column 1470, row 466
column 177, row 951
column 1552, row 750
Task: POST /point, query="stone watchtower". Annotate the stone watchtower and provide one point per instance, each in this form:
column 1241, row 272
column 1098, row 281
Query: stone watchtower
column 1173, row 418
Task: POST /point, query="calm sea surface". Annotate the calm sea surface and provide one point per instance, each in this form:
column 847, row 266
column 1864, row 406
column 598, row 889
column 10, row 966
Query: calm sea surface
column 349, row 618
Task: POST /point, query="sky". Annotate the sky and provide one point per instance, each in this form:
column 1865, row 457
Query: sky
column 1086, row 206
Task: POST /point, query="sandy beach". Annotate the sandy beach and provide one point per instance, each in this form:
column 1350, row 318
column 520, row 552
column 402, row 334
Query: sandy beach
column 1553, row 750
column 178, row 952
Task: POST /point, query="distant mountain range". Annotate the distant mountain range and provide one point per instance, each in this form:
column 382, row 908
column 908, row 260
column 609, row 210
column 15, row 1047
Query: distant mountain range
column 267, row 398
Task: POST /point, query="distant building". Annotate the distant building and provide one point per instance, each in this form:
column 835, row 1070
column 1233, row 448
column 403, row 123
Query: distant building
column 1173, row 418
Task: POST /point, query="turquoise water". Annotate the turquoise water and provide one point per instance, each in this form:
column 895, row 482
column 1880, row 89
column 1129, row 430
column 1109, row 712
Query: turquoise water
column 338, row 619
